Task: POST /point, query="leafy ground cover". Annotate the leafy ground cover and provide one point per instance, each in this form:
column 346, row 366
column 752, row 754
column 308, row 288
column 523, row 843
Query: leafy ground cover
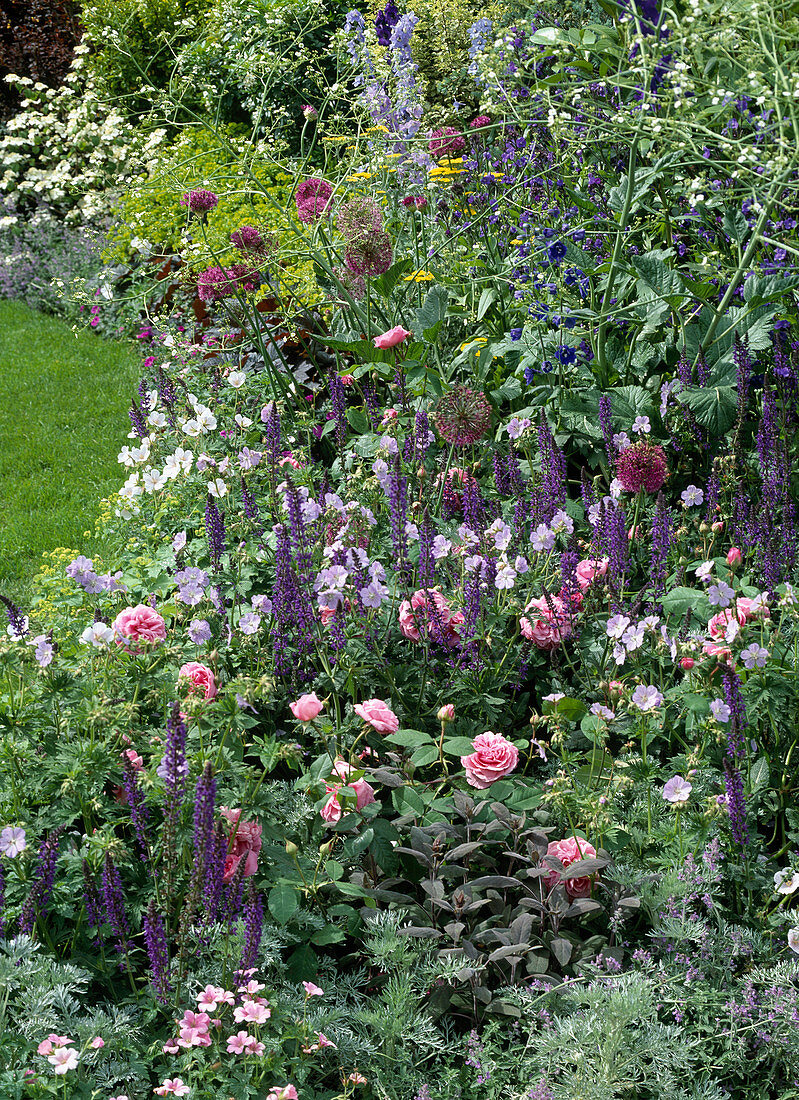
column 427, row 730
column 62, row 409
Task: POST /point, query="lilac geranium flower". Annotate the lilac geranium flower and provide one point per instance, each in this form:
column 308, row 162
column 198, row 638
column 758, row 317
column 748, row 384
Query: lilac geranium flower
column 677, row 790
column 647, row 697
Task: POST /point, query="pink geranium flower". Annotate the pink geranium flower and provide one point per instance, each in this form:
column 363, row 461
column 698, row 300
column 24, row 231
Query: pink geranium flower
column 173, row 1086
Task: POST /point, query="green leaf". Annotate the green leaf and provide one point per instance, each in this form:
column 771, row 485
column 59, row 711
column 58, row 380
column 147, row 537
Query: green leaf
column 654, row 274
column 487, row 299
column 327, row 935
column 458, row 746
column 302, row 964
column 410, row 738
column 759, row 775
column 283, row 902
column 736, row 226
column 405, row 800
column 680, row 600
column 385, row 283
column 431, row 316
column 627, row 402
column 715, row 407
column 424, row 755
column 766, row 288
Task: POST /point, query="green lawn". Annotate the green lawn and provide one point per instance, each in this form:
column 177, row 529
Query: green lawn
column 63, row 402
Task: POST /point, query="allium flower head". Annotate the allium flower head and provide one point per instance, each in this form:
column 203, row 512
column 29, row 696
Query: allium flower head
column 359, row 217
column 220, row 282
column 463, row 416
column 312, row 199
column 642, row 466
column 479, row 122
column 446, row 142
column 370, row 256
column 248, row 239
column 199, row 202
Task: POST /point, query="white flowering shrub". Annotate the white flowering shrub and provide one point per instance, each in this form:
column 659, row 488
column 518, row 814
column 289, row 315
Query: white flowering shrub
column 68, row 149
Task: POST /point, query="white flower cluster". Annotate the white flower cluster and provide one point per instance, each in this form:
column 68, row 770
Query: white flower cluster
column 69, row 149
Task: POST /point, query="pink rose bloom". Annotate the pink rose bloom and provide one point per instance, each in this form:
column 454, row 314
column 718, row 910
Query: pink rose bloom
column 589, row 569
column 307, row 707
column 200, row 677
column 545, row 630
column 136, row 762
column 245, row 845
column 569, row 851
column 717, row 626
column 282, row 1092
column 493, row 757
column 391, row 338
column 331, row 811
column 723, row 652
column 752, row 609
column 429, row 610
column 378, row 714
column 347, row 379
column 364, row 793
column 139, row 624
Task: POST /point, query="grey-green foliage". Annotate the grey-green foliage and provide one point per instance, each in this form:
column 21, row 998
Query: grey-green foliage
column 39, row 995
column 612, row 1044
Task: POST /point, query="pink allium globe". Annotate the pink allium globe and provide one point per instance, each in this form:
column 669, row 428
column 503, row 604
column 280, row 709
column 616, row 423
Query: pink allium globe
column 218, row 283
column 312, row 199
column 200, row 201
column 642, row 466
column 369, row 256
column 446, row 142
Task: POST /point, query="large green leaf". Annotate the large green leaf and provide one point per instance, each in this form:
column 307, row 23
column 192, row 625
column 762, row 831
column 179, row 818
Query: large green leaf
column 283, row 901
column 431, row 316
column 660, row 278
column 715, row 407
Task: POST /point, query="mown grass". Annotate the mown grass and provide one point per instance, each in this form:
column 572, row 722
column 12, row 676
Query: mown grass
column 63, row 401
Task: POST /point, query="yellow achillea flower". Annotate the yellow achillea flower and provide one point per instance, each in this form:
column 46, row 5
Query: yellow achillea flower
column 419, row 277
column 471, row 343
column 359, row 176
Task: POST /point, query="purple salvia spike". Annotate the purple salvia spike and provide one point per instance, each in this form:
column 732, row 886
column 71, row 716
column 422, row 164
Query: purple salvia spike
column 157, row 952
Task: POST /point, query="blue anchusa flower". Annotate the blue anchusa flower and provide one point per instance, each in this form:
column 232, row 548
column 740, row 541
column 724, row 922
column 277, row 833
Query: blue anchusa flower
column 556, row 252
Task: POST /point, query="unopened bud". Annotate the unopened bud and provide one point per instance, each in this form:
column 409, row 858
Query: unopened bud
column 734, row 557
column 291, row 848
column 703, row 528
column 447, row 713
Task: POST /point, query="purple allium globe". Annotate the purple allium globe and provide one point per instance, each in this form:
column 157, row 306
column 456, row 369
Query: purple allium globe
column 359, row 218
column 479, row 122
column 199, row 202
column 462, row 416
column 642, row 466
column 418, row 202
column 249, row 239
column 352, row 283
column 369, row 256
column 312, row 199
column 446, row 142
column 220, row 282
